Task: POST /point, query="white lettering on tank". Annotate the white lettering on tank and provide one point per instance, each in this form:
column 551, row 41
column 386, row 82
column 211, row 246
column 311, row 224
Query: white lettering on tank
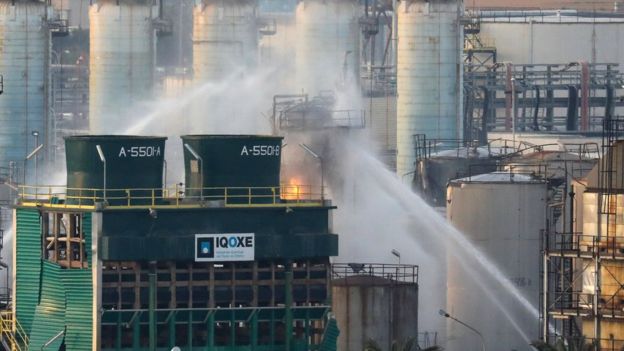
column 140, row 151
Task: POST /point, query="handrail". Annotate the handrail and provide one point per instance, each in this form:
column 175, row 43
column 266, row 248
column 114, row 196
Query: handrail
column 12, row 330
column 176, row 196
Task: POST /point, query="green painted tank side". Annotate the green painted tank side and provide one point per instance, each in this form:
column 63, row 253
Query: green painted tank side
column 132, row 162
column 232, row 161
column 279, row 234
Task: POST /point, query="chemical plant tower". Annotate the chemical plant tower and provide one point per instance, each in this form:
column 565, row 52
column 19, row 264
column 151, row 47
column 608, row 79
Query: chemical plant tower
column 327, row 46
column 121, row 63
column 428, row 75
column 25, row 30
column 225, row 38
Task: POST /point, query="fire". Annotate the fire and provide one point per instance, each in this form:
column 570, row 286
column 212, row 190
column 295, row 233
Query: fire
column 292, row 190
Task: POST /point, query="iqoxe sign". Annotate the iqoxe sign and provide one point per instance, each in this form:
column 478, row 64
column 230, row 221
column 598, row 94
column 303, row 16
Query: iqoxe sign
column 224, row 247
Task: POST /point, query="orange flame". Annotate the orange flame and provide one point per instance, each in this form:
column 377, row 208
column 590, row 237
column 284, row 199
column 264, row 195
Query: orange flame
column 292, row 190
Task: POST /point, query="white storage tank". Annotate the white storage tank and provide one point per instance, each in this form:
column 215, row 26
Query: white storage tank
column 122, row 61
column 225, row 38
column 327, row 45
column 428, row 80
column 503, row 215
column 24, row 48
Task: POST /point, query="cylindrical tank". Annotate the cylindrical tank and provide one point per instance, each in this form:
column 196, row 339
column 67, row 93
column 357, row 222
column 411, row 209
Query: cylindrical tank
column 250, row 163
column 132, row 162
column 428, row 68
column 502, row 214
column 121, row 62
column 24, row 44
column 225, row 38
column 376, row 308
column 327, row 45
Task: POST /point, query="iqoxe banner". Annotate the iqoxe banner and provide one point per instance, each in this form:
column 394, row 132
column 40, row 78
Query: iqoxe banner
column 224, row 247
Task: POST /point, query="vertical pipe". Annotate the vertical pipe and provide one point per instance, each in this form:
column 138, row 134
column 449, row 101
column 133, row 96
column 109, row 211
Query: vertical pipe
column 596, row 309
column 545, row 263
column 585, row 77
column 136, row 333
column 172, row 330
column 254, row 330
column 572, row 117
column 189, row 330
column 508, row 96
column 152, row 306
column 513, row 111
column 550, row 96
column 288, row 285
column 211, row 333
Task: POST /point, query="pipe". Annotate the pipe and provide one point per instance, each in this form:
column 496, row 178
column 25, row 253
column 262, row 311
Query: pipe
column 152, row 306
column 289, row 302
column 53, row 339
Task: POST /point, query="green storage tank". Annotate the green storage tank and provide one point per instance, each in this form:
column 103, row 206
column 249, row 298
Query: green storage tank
column 132, row 162
column 247, row 165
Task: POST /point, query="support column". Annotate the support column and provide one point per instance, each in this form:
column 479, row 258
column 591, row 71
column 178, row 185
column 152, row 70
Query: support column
column 585, row 76
column 508, row 97
column 288, row 316
column 152, row 306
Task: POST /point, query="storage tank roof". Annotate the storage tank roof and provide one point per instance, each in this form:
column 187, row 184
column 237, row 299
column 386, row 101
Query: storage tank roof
column 499, row 177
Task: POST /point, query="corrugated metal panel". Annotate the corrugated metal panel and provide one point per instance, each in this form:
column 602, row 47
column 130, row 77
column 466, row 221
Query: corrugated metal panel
column 50, row 313
column 330, row 338
column 28, row 265
column 23, row 41
column 78, row 317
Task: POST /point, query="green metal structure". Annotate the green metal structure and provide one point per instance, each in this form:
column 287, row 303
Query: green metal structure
column 133, row 274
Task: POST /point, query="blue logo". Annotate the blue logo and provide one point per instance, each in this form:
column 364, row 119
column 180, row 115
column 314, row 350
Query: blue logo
column 205, row 247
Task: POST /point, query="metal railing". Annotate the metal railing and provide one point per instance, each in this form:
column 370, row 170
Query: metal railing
column 403, row 273
column 585, row 245
column 12, row 332
column 578, row 303
column 176, row 196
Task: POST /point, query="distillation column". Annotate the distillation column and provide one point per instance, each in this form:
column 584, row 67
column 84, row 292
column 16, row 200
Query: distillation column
column 327, row 46
column 25, row 45
column 225, row 38
column 428, row 75
column 122, row 61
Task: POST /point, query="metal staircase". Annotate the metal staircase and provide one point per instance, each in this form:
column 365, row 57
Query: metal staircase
column 12, row 335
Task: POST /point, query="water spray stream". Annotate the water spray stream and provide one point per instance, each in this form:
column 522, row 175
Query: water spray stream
column 426, row 229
